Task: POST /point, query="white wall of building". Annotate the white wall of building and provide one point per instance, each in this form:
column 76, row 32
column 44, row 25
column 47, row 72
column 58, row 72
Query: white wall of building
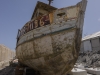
column 87, row 45
column 95, row 44
column 90, row 44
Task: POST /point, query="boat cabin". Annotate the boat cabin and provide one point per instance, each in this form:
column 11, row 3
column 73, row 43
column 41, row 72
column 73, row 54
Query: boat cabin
column 42, row 9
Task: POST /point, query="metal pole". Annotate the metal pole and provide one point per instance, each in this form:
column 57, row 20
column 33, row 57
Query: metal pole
column 50, row 1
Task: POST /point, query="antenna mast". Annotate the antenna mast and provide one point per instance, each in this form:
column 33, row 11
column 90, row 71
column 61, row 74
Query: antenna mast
column 50, row 1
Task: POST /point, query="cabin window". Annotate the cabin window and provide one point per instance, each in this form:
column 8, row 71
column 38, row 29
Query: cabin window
column 40, row 14
column 60, row 14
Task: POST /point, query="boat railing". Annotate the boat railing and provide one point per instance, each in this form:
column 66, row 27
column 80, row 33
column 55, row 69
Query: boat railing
column 33, row 24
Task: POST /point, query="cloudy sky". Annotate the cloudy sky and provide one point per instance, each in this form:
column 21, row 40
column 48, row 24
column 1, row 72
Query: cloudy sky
column 15, row 13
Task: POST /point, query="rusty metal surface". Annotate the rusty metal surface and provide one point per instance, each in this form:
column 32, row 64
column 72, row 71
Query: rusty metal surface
column 53, row 49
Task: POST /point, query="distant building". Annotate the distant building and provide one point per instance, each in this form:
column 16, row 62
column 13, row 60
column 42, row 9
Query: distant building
column 6, row 53
column 91, row 42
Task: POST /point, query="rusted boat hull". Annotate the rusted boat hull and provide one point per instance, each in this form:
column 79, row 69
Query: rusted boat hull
column 53, row 49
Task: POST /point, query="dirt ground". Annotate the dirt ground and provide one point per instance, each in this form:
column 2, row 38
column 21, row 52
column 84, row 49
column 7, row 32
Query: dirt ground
column 7, row 71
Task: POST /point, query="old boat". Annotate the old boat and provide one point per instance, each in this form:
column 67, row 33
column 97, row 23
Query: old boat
column 50, row 41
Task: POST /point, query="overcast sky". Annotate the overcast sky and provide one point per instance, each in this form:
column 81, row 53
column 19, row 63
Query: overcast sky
column 15, row 13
